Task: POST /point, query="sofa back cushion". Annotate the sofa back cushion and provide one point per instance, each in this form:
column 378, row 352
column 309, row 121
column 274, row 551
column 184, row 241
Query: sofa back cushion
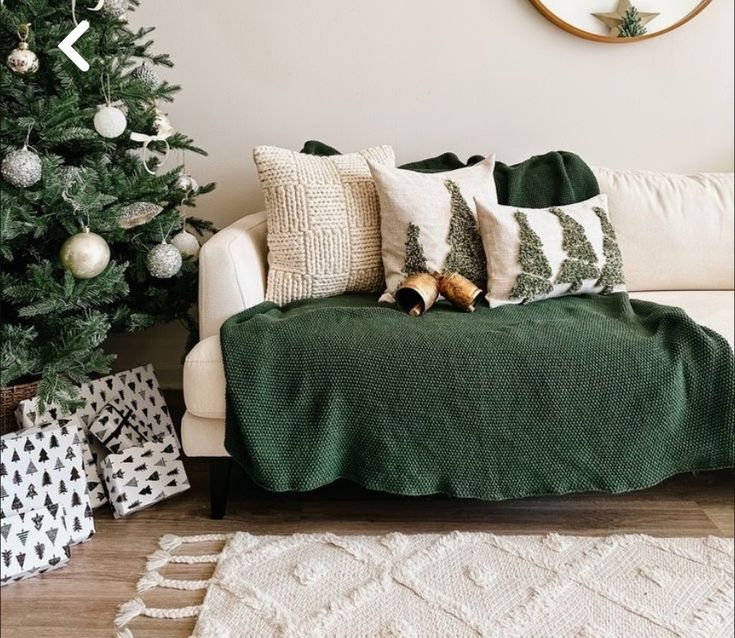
column 675, row 231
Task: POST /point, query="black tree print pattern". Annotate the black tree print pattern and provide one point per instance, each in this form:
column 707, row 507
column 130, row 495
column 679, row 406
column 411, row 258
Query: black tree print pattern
column 466, row 253
column 534, row 280
column 581, row 260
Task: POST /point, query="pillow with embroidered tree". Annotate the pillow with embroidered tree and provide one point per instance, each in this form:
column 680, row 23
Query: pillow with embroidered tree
column 428, row 222
column 535, row 253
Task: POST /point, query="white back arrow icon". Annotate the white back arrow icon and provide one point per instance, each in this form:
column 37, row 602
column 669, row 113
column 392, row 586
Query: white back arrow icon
column 66, row 45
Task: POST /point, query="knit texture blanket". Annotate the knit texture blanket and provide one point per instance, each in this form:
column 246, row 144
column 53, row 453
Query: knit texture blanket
column 557, row 178
column 564, row 395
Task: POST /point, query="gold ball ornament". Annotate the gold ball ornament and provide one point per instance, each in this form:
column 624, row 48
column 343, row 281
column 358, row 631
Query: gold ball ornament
column 85, row 255
column 110, row 121
column 186, row 243
column 22, row 60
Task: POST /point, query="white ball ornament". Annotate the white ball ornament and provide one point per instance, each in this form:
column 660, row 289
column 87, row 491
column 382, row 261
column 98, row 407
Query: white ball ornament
column 186, row 243
column 110, row 121
column 163, row 261
column 85, row 255
column 21, row 168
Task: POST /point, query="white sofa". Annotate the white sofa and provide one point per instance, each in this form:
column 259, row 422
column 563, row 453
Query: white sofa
column 676, row 237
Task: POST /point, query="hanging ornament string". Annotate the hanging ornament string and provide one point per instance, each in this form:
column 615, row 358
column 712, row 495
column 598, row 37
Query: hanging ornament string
column 164, row 238
column 106, row 90
column 164, row 130
column 76, row 206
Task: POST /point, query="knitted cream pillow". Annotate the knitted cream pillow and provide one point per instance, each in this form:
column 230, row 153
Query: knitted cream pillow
column 538, row 253
column 428, row 221
column 323, row 222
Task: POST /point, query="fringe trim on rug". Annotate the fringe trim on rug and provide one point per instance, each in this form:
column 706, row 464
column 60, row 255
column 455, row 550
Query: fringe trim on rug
column 131, row 609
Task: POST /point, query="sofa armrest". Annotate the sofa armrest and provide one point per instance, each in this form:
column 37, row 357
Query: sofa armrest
column 233, row 266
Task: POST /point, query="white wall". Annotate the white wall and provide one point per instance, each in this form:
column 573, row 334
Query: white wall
column 427, row 76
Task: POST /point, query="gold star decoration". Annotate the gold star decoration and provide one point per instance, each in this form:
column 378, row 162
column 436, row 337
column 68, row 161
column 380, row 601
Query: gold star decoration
column 613, row 19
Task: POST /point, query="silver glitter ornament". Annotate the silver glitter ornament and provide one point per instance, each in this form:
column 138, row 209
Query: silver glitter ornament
column 22, row 60
column 21, row 168
column 186, row 243
column 85, row 255
column 115, row 8
column 186, row 183
column 147, row 76
column 137, row 214
column 163, row 261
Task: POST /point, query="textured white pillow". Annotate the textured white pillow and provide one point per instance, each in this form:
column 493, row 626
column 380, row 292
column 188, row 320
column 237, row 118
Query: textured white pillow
column 428, row 221
column 323, row 222
column 538, row 253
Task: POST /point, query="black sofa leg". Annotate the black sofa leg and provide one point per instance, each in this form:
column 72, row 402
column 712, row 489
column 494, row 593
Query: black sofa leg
column 220, row 470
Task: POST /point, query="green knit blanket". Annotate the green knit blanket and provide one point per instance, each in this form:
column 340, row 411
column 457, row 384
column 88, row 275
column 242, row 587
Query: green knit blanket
column 564, row 395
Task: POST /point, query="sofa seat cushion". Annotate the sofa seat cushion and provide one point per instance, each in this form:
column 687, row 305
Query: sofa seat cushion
column 204, row 375
column 710, row 308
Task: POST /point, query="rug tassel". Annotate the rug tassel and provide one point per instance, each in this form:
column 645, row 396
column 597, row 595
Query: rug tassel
column 158, row 559
column 136, row 607
column 170, row 542
column 124, row 633
column 128, row 611
column 150, row 580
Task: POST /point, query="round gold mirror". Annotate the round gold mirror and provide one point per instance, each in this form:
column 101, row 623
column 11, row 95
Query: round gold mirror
column 619, row 21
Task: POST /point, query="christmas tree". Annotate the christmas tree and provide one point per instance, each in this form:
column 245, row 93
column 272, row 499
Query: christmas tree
column 534, row 280
column 632, row 25
column 466, row 254
column 68, row 162
column 612, row 271
column 415, row 258
column 581, row 258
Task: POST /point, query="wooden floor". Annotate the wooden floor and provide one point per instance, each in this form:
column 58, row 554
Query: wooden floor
column 80, row 600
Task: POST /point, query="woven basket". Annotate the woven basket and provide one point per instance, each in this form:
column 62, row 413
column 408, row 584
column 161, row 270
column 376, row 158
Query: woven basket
column 11, row 397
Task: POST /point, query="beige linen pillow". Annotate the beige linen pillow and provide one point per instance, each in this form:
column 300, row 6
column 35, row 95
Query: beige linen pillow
column 538, row 253
column 428, row 221
column 323, row 222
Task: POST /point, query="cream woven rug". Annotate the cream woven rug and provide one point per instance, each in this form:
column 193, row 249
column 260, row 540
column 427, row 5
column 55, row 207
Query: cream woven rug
column 460, row 584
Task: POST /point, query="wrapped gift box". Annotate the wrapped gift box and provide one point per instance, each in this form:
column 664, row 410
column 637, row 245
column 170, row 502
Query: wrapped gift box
column 43, row 467
column 54, row 417
column 117, row 427
column 136, row 389
column 141, row 476
column 33, row 543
